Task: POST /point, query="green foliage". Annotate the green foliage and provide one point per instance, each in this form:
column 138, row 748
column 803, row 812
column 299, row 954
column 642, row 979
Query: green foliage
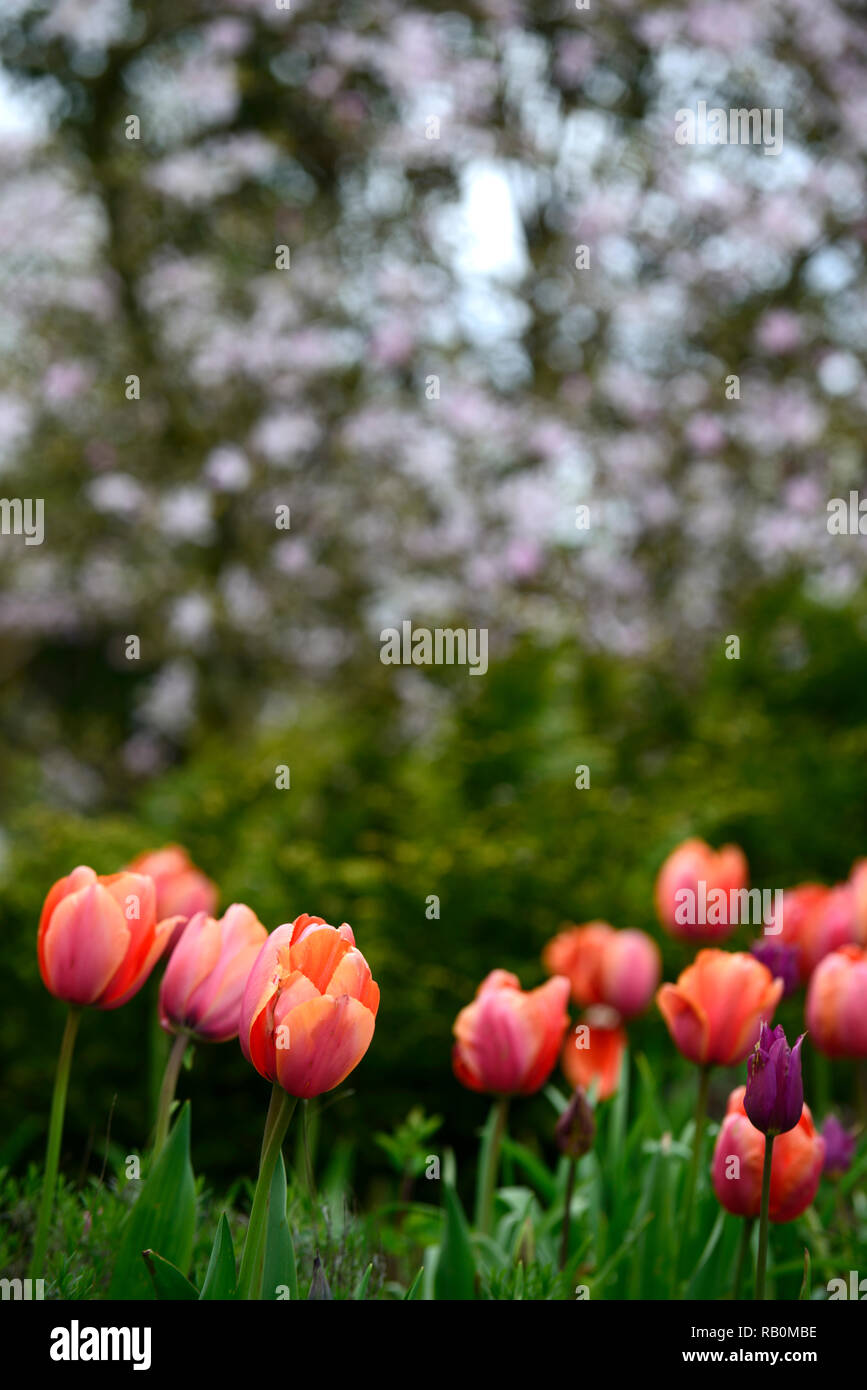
column 162, row 1220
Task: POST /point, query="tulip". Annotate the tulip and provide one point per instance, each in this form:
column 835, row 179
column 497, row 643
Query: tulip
column 99, row 938
column 837, row 1003
column 507, row 1041
column 205, row 978
column 775, row 1091
column 182, row 889
column 605, row 966
column 816, row 921
column 309, row 1007
column 858, row 883
column 839, row 1148
column 307, row 1018
column 200, row 994
column 97, row 942
column 679, row 894
column 783, row 961
column 629, row 972
column 577, row 953
column 595, row 1054
column 714, row 1014
column 574, row 1134
column 717, row 1007
column 796, row 1167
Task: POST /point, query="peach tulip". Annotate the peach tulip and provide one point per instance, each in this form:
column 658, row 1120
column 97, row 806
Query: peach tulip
column 205, row 978
column 689, row 888
column 796, row 1164
column 837, row 1003
column 716, row 1009
column 100, row 937
column 594, row 1051
column 576, row 952
column 508, row 1039
column 182, row 889
column 309, row 1007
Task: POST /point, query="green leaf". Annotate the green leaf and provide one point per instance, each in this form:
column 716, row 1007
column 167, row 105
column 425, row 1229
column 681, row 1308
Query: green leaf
column 279, row 1268
column 535, row 1169
column 805, row 1282
column 456, row 1267
column 221, row 1279
column 361, row 1290
column 411, row 1292
column 168, row 1281
column 163, row 1218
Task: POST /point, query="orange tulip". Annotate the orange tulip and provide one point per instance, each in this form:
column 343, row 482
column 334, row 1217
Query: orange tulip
column 606, row 966
column 309, row 1007
column 715, row 1011
column 694, row 887
column 99, row 937
column 594, row 1051
column 182, row 889
column 508, row 1039
column 576, row 952
column 796, row 1164
column 837, row 1003
column 201, row 991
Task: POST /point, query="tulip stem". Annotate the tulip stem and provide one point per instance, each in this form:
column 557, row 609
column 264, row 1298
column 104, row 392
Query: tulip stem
column 743, row 1250
column 567, row 1212
column 692, row 1173
column 491, row 1162
column 55, row 1135
column 277, row 1122
column 167, row 1091
column 763, row 1219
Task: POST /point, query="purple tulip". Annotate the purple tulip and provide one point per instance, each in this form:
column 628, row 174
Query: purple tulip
column 781, row 960
column 576, row 1127
column 775, row 1092
column 839, row 1147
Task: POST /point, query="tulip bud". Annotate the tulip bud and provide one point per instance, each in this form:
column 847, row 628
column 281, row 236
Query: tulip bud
column 839, row 1148
column 319, row 1286
column 576, row 1128
column 774, row 1096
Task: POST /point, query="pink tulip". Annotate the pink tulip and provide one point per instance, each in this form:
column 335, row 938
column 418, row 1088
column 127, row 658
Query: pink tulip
column 629, row 972
column 309, row 1007
column 858, row 881
column 182, row 889
column 507, row 1040
column 796, row 1164
column 816, row 921
column 99, row 937
column 837, row 1003
column 692, row 875
column 205, row 978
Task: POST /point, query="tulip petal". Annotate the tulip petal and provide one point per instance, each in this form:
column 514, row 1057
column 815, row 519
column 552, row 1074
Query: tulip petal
column 84, row 944
column 327, row 1038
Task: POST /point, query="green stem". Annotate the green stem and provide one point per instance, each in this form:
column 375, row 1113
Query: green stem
column 567, row 1213
column 492, row 1164
column 692, row 1175
column 763, row 1219
column 276, row 1125
column 55, row 1134
column 743, row 1250
column 167, row 1091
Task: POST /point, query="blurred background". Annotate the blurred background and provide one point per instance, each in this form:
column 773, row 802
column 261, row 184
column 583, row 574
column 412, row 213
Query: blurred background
column 432, row 387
